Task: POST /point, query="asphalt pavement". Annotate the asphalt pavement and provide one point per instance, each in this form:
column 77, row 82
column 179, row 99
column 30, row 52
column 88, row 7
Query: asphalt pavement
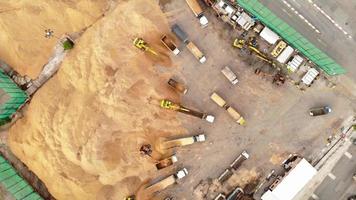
column 339, row 183
column 331, row 39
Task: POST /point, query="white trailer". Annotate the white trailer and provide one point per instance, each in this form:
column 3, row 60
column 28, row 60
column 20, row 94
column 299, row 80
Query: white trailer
column 230, row 75
column 245, row 21
column 225, row 8
column 309, row 77
column 285, row 55
column 270, row 36
column 294, row 64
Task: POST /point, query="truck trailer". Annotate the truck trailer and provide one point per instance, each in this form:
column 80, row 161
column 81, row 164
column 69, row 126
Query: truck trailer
column 232, row 112
column 230, row 75
column 182, row 36
column 179, row 87
column 166, row 162
column 170, row 180
column 183, row 141
column 167, row 42
column 239, row 160
column 198, row 12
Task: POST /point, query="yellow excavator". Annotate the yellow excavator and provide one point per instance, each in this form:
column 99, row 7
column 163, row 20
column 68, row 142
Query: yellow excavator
column 141, row 44
column 241, row 43
column 167, row 104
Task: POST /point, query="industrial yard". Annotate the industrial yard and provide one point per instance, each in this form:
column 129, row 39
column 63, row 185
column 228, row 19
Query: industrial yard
column 277, row 121
column 186, row 104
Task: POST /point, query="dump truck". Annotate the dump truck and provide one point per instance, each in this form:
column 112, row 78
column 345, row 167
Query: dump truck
column 182, row 36
column 170, row 180
column 320, row 111
column 198, row 12
column 196, row 52
column 167, row 42
column 166, row 162
column 225, row 176
column 179, row 87
column 167, row 104
column 232, row 112
column 239, row 160
column 183, row 141
column 236, row 194
column 231, row 76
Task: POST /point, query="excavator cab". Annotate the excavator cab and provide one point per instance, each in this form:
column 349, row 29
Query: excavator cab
column 141, row 44
column 169, row 105
column 132, row 197
column 239, row 43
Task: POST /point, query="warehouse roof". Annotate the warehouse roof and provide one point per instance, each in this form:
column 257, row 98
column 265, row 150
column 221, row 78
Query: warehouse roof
column 291, row 184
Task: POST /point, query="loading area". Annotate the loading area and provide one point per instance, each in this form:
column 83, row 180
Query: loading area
column 277, row 118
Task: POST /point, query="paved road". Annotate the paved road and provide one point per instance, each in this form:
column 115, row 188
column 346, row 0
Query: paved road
column 339, row 183
column 330, row 39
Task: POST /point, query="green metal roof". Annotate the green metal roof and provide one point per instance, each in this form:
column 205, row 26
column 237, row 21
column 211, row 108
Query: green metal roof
column 15, row 184
column 294, row 38
column 17, row 97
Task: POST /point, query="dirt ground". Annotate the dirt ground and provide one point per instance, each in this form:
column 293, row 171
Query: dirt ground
column 84, row 127
column 277, row 117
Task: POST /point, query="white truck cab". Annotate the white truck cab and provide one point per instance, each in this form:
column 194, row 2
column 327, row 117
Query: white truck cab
column 181, row 173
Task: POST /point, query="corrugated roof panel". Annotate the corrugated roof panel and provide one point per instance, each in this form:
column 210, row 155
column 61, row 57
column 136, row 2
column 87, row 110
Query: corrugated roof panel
column 291, row 35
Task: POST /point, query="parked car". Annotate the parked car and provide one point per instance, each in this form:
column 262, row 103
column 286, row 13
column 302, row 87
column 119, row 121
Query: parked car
column 320, row 111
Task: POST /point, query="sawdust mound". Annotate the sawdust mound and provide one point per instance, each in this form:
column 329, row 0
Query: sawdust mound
column 83, row 128
column 23, row 24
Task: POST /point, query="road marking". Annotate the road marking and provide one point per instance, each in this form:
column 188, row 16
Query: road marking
column 330, row 19
column 299, row 15
column 347, row 154
column 332, row 176
column 287, row 13
column 314, row 196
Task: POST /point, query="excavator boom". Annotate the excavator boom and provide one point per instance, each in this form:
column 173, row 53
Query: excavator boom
column 240, row 43
column 167, row 104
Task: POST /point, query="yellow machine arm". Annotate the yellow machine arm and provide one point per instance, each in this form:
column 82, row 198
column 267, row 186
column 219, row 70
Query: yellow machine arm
column 167, row 104
column 141, row 44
